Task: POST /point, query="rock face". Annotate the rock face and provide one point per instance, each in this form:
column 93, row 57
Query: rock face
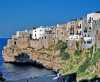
column 24, row 49
column 30, row 55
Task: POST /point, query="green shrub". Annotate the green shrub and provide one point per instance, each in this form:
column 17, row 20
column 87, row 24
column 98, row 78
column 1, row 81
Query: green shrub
column 65, row 55
column 61, row 45
column 91, row 50
column 77, row 45
column 77, row 52
column 96, row 56
column 85, row 65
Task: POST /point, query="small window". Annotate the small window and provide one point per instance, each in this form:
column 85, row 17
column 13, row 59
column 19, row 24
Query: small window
column 92, row 18
column 45, row 37
column 71, row 33
column 77, row 33
column 85, row 30
column 85, row 35
column 89, row 42
column 90, row 28
column 80, row 25
column 88, row 35
column 15, row 42
column 80, row 33
column 84, row 42
column 30, row 36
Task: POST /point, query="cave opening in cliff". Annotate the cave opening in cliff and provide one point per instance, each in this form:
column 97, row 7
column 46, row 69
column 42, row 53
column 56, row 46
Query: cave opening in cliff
column 22, row 58
column 25, row 59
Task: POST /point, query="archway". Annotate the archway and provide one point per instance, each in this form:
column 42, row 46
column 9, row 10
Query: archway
column 25, row 59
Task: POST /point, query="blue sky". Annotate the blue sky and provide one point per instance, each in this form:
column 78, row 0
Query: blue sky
column 21, row 14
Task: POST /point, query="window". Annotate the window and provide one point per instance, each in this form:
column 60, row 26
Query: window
column 85, row 35
column 15, row 42
column 77, row 33
column 45, row 37
column 89, row 42
column 85, row 30
column 35, row 35
column 80, row 25
column 88, row 35
column 80, row 33
column 97, row 32
column 92, row 18
column 84, row 42
column 30, row 36
column 89, row 28
column 71, row 33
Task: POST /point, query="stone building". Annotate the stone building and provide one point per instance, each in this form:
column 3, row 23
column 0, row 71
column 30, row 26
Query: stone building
column 75, row 28
column 61, row 32
column 24, row 39
column 72, row 26
column 97, row 25
column 90, row 30
column 43, row 42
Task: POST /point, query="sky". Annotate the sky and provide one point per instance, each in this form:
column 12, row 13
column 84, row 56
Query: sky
column 24, row 14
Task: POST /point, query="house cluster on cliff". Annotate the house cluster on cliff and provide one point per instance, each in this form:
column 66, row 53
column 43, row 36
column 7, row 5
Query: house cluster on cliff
column 84, row 31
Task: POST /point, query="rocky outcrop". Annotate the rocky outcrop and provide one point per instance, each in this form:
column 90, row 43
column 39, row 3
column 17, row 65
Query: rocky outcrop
column 29, row 55
column 24, row 49
column 53, row 51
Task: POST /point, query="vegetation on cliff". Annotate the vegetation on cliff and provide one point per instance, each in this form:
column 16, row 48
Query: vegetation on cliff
column 62, row 46
column 58, row 56
column 82, row 62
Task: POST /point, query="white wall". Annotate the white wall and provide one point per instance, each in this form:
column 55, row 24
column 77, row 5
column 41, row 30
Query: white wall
column 95, row 16
column 88, row 45
column 38, row 32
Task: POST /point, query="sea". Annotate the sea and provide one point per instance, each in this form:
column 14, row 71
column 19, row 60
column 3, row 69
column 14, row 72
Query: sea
column 18, row 73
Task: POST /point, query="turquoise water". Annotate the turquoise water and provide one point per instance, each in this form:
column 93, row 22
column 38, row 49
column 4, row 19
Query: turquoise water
column 13, row 72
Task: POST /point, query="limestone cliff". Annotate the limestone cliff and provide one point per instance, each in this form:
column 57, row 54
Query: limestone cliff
column 24, row 49
column 53, row 54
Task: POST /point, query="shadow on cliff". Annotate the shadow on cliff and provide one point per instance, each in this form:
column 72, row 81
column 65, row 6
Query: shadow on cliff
column 23, row 59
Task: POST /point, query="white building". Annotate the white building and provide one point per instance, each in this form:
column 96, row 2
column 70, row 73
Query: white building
column 90, row 29
column 88, row 42
column 93, row 16
column 38, row 33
